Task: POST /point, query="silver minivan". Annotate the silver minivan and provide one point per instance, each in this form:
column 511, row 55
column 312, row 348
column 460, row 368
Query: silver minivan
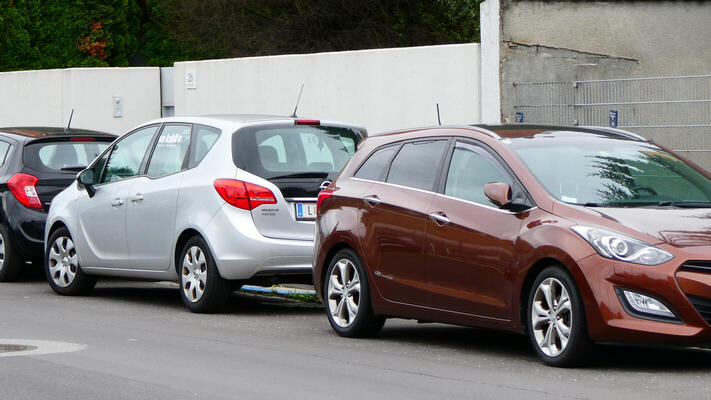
column 211, row 202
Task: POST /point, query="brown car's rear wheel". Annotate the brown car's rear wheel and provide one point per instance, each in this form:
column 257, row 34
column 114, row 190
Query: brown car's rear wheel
column 556, row 319
column 347, row 297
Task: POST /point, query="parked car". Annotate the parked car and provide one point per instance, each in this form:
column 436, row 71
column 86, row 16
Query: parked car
column 570, row 235
column 208, row 201
column 35, row 164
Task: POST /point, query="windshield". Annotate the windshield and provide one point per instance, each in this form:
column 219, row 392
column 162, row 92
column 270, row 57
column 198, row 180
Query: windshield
column 274, row 152
column 611, row 172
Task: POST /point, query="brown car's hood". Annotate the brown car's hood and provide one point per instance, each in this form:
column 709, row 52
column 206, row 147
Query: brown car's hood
column 677, row 227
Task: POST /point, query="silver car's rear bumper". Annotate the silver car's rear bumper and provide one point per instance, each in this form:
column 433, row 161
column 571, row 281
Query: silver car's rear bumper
column 241, row 252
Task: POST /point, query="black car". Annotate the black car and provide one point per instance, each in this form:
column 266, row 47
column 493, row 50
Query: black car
column 35, row 165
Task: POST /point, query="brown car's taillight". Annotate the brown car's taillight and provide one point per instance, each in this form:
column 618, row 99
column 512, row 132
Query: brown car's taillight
column 23, row 188
column 244, row 195
column 323, row 196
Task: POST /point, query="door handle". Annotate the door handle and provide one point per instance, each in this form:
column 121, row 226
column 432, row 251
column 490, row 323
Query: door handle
column 372, row 200
column 439, row 218
column 117, row 203
column 138, row 198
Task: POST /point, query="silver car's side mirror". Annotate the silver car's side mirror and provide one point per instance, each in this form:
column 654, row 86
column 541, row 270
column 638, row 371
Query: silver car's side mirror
column 87, row 179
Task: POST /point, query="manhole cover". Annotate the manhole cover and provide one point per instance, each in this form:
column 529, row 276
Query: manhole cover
column 9, row 348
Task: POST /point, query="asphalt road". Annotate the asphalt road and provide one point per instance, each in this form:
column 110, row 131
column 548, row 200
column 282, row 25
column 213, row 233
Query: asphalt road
column 136, row 341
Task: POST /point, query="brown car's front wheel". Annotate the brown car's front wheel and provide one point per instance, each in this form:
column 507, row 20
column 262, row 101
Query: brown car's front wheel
column 347, row 297
column 556, row 319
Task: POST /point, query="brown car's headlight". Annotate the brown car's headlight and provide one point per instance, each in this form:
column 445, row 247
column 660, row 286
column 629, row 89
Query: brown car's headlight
column 617, row 246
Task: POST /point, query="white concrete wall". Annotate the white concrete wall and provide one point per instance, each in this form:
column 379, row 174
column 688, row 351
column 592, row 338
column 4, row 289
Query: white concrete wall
column 46, row 97
column 382, row 89
column 490, row 28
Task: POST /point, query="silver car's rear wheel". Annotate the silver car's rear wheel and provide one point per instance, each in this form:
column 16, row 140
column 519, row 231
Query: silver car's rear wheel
column 63, row 262
column 344, row 293
column 193, row 278
column 551, row 317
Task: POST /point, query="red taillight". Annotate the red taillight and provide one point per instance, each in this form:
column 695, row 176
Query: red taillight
column 244, row 195
column 322, row 196
column 82, row 139
column 307, row 122
column 23, row 187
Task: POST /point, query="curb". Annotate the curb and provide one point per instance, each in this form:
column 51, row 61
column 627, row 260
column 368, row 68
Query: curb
column 279, row 291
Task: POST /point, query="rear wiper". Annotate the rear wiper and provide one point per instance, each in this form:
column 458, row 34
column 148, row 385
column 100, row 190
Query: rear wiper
column 322, row 175
column 685, row 204
column 74, row 169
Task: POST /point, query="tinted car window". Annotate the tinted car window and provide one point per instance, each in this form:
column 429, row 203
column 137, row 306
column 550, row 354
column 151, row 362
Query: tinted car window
column 375, row 167
column 126, row 157
column 468, row 172
column 170, row 151
column 276, row 151
column 62, row 156
column 4, row 150
column 416, row 165
column 205, row 137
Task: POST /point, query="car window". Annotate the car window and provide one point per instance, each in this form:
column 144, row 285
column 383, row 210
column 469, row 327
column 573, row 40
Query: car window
column 416, row 165
column 469, row 171
column 375, row 167
column 170, row 151
column 127, row 154
column 205, row 137
column 4, row 150
column 306, row 150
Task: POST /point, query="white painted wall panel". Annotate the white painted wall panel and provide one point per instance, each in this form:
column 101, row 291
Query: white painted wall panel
column 46, row 97
column 382, row 89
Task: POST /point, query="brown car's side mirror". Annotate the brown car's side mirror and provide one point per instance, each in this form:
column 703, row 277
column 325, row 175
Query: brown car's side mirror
column 498, row 193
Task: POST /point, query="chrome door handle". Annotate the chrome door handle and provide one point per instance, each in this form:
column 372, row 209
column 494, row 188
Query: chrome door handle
column 138, row 198
column 372, row 200
column 117, row 203
column 439, row 218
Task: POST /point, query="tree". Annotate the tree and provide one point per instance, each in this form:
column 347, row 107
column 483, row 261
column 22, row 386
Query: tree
column 201, row 29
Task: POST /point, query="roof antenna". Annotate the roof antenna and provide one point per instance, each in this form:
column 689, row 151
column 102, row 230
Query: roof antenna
column 439, row 120
column 69, row 124
column 297, row 101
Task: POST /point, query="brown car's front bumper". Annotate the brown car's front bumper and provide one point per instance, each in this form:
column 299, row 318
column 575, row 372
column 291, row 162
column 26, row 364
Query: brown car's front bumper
column 687, row 293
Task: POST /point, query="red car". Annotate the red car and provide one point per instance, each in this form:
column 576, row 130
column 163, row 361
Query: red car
column 570, row 235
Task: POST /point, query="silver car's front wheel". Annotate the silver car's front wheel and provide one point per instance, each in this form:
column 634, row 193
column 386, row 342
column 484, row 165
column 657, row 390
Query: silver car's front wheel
column 193, row 278
column 62, row 262
column 551, row 317
column 344, row 293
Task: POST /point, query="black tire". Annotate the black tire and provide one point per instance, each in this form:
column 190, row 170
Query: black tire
column 11, row 264
column 365, row 323
column 577, row 350
column 81, row 283
column 216, row 290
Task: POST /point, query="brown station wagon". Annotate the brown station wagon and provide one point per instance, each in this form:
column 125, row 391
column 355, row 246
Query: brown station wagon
column 570, row 235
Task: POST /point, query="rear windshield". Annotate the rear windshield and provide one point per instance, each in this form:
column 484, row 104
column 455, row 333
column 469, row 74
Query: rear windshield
column 294, row 150
column 66, row 156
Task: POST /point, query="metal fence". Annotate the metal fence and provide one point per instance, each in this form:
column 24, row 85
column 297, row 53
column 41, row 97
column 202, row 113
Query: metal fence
column 674, row 110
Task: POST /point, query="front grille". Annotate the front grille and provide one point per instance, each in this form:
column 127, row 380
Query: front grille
column 697, row 266
column 702, row 305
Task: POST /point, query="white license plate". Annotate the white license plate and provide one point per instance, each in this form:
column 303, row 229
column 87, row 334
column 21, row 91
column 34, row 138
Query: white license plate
column 305, row 211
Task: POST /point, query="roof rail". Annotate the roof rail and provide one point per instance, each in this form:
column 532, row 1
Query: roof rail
column 486, row 131
column 616, row 131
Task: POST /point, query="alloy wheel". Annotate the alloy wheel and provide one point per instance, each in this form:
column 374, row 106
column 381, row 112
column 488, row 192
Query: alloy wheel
column 344, row 293
column 63, row 261
column 194, row 274
column 2, row 252
column 551, row 317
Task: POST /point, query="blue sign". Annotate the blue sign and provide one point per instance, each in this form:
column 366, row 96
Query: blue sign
column 300, row 210
column 519, row 117
column 613, row 118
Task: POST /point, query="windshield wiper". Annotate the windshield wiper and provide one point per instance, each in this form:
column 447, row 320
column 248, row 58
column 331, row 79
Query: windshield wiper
column 685, row 204
column 322, row 175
